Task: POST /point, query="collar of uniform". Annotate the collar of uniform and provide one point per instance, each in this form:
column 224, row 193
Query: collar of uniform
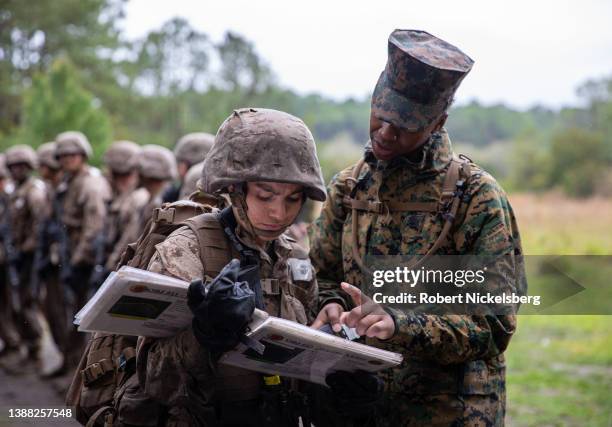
column 84, row 171
column 249, row 241
column 434, row 156
column 282, row 246
column 27, row 183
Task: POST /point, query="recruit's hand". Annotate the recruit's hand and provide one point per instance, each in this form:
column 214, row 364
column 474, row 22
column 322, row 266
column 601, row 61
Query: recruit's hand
column 330, row 313
column 368, row 317
column 222, row 309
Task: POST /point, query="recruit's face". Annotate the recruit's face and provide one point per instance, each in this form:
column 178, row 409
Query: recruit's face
column 19, row 171
column 272, row 206
column 390, row 141
column 71, row 163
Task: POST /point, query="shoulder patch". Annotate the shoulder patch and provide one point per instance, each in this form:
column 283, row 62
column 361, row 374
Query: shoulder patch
column 301, row 269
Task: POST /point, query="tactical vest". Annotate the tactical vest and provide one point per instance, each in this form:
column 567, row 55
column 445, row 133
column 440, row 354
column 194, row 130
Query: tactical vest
column 453, row 189
column 104, row 372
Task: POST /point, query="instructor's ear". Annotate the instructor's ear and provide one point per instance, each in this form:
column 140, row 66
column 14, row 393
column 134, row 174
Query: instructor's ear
column 441, row 123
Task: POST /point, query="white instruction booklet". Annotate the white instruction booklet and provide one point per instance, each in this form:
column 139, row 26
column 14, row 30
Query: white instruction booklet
column 138, row 302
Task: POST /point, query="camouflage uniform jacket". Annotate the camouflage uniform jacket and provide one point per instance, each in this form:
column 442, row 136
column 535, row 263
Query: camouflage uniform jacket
column 124, row 223
column 83, row 212
column 453, row 368
column 29, row 208
column 178, row 372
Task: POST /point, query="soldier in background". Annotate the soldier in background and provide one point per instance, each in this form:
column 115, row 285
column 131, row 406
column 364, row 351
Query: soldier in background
column 189, row 150
column 9, row 337
column 53, row 292
column 123, row 218
column 28, row 209
column 190, row 181
column 193, row 190
column 157, row 168
column 81, row 204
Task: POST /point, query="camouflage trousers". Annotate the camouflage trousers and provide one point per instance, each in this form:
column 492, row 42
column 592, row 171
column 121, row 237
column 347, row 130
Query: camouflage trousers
column 441, row 410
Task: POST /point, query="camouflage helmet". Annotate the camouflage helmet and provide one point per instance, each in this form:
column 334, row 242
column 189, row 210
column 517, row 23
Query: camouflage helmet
column 72, row 142
column 257, row 144
column 193, row 147
column 4, row 173
column 21, row 154
column 122, row 156
column 46, row 155
column 420, row 79
column 190, row 183
column 157, row 162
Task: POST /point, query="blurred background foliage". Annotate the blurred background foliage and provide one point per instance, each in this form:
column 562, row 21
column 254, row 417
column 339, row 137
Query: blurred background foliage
column 66, row 65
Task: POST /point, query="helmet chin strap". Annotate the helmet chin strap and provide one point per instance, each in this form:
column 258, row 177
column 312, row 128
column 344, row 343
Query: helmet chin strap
column 239, row 207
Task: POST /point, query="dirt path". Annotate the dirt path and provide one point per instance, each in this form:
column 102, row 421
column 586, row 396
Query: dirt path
column 28, row 391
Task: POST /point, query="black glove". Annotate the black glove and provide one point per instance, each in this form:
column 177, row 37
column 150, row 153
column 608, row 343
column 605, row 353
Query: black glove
column 354, row 393
column 223, row 308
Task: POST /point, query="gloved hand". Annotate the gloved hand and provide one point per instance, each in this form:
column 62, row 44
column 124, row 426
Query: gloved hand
column 223, row 308
column 354, row 393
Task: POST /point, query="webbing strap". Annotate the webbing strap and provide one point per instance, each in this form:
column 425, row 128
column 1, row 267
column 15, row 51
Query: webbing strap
column 108, row 419
column 247, row 255
column 390, row 206
column 97, row 370
column 453, row 188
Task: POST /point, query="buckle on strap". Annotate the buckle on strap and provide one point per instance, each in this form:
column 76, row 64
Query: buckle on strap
column 97, row 370
column 364, row 205
column 166, row 215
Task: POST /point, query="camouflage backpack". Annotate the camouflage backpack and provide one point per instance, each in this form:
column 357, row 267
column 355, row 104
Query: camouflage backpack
column 108, row 361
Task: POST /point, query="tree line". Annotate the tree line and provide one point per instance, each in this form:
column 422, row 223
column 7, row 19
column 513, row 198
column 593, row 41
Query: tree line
column 66, row 64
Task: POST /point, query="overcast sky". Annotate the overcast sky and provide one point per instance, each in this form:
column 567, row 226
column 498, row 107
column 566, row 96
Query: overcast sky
column 526, row 52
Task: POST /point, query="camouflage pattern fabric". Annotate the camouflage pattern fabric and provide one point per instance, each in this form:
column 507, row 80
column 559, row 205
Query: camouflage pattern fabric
column 178, row 372
column 420, row 79
column 259, row 144
column 29, row 208
column 453, row 371
column 124, row 222
column 83, row 212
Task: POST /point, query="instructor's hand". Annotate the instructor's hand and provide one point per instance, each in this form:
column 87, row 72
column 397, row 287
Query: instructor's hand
column 330, row 313
column 368, row 317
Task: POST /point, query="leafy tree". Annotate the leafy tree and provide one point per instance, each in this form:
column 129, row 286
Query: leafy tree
column 57, row 102
column 35, row 33
column 171, row 60
column 241, row 66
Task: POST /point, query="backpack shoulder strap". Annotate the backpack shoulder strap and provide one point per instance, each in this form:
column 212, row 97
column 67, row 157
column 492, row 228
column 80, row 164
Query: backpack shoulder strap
column 163, row 222
column 215, row 248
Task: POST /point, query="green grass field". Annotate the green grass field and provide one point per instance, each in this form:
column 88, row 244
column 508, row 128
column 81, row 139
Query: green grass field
column 560, row 366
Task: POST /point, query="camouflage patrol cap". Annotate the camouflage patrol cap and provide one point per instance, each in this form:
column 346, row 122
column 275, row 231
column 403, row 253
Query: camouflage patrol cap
column 157, row 162
column 21, row 154
column 419, row 81
column 122, row 156
column 257, row 144
column 46, row 155
column 193, row 147
column 72, row 142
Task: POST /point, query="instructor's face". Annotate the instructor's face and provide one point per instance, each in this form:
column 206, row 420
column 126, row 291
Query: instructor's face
column 390, row 141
